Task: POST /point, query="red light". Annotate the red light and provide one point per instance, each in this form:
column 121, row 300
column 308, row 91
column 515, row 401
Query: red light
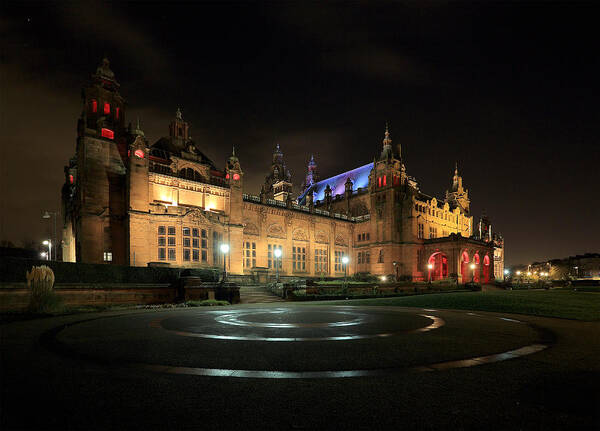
column 384, row 178
column 117, row 113
column 94, row 106
column 379, row 181
column 106, row 108
column 71, row 179
column 107, row 133
column 236, row 177
column 139, row 153
column 227, row 176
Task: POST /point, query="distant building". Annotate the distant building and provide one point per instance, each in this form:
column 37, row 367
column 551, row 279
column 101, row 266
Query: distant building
column 130, row 202
column 581, row 266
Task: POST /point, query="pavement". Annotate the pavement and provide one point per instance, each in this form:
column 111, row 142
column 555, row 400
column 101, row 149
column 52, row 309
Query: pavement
column 300, row 366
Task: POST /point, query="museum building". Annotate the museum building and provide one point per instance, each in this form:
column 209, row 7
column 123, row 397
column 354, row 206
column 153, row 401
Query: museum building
column 129, row 202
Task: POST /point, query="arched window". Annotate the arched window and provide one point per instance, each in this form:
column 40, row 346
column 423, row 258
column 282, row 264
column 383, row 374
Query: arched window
column 94, row 105
column 191, row 174
column 106, row 108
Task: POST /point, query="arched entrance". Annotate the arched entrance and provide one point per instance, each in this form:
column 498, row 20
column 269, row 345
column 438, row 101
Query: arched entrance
column 476, row 270
column 486, row 269
column 439, row 266
column 464, row 267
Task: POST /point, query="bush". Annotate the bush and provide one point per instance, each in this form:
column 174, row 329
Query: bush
column 473, row 286
column 364, row 277
column 42, row 298
column 206, row 303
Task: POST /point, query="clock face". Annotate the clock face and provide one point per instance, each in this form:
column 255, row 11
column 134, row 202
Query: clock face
column 139, row 153
column 236, row 177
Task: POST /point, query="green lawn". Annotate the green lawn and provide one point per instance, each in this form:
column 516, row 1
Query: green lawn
column 566, row 304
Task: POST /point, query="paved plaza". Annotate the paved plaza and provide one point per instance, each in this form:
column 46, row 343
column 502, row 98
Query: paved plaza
column 299, row 366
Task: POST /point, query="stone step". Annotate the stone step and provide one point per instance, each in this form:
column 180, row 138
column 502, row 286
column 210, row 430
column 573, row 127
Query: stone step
column 256, row 295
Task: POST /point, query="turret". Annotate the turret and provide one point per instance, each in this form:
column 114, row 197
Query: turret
column 458, row 197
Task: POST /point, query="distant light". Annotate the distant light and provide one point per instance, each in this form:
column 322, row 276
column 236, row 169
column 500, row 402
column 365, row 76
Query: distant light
column 506, row 271
column 529, row 273
column 518, row 272
column 46, row 242
column 472, row 266
column 430, row 266
column 277, row 252
column 224, row 248
column 383, row 278
column 43, row 254
column 345, row 260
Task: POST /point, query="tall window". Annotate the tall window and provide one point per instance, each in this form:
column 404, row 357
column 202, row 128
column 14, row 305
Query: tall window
column 108, row 256
column 171, row 242
column 94, row 105
column 338, row 265
column 187, row 243
column 432, row 232
column 271, row 255
column 420, row 231
column 162, row 242
column 380, row 259
column 106, row 108
column 321, row 259
column 217, row 239
column 367, row 257
column 299, row 258
column 249, row 259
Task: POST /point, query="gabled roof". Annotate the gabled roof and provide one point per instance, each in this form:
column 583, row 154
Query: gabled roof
column 359, row 177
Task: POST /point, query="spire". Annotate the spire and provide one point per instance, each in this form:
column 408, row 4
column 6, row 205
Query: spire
column 387, row 152
column 138, row 130
column 233, row 151
column 456, row 169
column 178, row 114
column 387, row 140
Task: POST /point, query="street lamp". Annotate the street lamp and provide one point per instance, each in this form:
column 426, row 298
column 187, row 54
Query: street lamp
column 506, row 272
column 49, row 244
column 47, row 215
column 224, row 250
column 430, row 267
column 277, row 253
column 472, row 273
column 44, row 254
column 345, row 261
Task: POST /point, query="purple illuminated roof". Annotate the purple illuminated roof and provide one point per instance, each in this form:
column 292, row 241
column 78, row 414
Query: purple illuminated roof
column 358, row 176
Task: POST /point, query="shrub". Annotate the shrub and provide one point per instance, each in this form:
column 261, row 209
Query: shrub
column 42, row 298
column 206, row 303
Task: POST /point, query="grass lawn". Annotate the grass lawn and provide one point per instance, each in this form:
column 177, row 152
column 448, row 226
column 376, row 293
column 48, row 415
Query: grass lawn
column 566, row 304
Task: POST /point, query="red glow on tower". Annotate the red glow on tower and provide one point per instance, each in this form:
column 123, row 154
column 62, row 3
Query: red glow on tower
column 117, row 113
column 379, row 181
column 71, row 179
column 236, row 177
column 106, row 108
column 94, row 106
column 107, row 133
column 139, row 153
column 227, row 176
column 384, row 180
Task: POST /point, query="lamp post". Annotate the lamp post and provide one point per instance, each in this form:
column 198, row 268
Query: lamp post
column 47, row 215
column 473, row 272
column 345, row 261
column 506, row 272
column 429, row 267
column 224, row 250
column 277, row 253
column 49, row 244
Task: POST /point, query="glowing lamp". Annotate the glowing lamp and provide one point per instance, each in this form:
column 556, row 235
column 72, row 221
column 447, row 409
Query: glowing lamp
column 529, row 274
column 345, row 260
column 43, row 254
column 518, row 272
column 224, row 248
column 506, row 271
column 472, row 266
column 430, row 266
column 277, row 253
column 383, row 278
column 107, row 133
column 46, row 242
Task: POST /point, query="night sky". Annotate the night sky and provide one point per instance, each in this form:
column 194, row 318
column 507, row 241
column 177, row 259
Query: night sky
column 510, row 91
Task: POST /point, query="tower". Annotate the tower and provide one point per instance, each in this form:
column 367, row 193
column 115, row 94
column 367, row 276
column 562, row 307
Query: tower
column 458, row 197
column 311, row 174
column 235, row 176
column 101, row 169
column 179, row 129
column 278, row 184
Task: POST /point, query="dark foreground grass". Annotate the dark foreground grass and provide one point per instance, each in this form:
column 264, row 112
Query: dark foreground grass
column 566, row 304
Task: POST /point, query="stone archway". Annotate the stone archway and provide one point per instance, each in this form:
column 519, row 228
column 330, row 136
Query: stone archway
column 439, row 266
column 486, row 269
column 464, row 267
column 476, row 270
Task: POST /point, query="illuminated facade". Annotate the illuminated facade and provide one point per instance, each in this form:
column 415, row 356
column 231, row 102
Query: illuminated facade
column 132, row 203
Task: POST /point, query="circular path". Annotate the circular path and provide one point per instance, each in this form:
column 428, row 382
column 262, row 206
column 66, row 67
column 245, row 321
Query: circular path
column 287, row 342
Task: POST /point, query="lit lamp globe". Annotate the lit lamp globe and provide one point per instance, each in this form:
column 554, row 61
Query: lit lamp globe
column 46, row 242
column 430, row 266
column 506, row 272
column 277, row 253
column 43, row 254
column 345, row 260
column 224, row 248
column 472, row 266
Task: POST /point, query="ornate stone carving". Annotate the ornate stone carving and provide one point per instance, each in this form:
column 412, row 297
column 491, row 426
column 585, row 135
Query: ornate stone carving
column 250, row 229
column 276, row 230
column 300, row 235
column 196, row 216
column 321, row 237
column 340, row 240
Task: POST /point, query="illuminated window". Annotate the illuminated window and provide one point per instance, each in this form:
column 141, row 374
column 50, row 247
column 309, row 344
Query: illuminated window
column 71, row 179
column 271, row 256
column 321, row 259
column 172, row 254
column 94, row 106
column 107, row 133
column 249, row 254
column 379, row 181
column 117, row 113
column 107, row 256
column 217, row 239
column 162, row 241
column 384, row 180
column 338, row 265
column 106, row 108
column 420, row 231
column 299, row 258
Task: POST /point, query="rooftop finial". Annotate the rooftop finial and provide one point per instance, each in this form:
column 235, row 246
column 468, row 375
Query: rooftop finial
column 233, row 151
column 456, row 168
column 387, row 140
column 178, row 114
column 138, row 130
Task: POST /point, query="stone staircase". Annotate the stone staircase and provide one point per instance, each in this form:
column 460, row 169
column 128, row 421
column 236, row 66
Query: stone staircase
column 257, row 295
